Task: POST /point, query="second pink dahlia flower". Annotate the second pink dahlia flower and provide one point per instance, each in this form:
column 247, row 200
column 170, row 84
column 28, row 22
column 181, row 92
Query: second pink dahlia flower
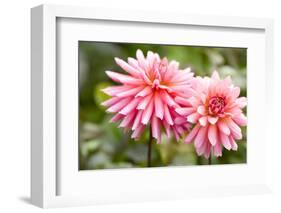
column 146, row 96
column 215, row 109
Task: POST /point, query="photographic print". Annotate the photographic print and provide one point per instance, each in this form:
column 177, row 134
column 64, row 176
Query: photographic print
column 152, row 105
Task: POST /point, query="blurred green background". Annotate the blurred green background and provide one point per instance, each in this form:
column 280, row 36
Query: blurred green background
column 103, row 145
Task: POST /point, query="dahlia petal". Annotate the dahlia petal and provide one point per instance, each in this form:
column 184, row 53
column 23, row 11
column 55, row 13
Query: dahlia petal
column 113, row 90
column 240, row 119
column 119, row 105
column 201, row 110
column 125, row 79
column 146, row 91
column 139, row 130
column 225, row 141
column 131, row 70
column 235, row 92
column 201, row 149
column 201, row 136
column 224, row 127
column 167, row 98
column 192, row 134
column 150, row 58
column 203, row 120
column 141, row 60
column 155, row 128
column 130, row 107
column 137, row 120
column 147, row 113
column 167, row 115
column 167, row 129
column 241, row 102
column 116, row 118
column 185, row 111
column 172, row 67
column 130, row 92
column 218, row 150
column 213, row 135
column 215, row 75
column 180, row 120
column 158, row 105
column 127, row 120
column 212, row 120
column 110, row 101
column 143, row 104
column 183, row 89
column 193, row 118
column 176, row 133
column 134, row 63
column 234, row 145
column 235, row 129
column 182, row 101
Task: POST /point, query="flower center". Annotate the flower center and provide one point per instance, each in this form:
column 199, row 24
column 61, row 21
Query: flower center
column 216, row 105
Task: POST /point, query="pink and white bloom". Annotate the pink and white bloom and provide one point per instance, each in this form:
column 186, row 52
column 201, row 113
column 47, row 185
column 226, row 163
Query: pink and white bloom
column 215, row 109
column 147, row 95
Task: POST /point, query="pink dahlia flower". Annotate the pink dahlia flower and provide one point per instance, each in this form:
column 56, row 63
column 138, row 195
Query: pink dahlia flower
column 147, row 95
column 216, row 110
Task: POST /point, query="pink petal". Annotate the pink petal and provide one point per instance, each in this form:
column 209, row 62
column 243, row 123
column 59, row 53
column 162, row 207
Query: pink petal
column 235, row 92
column 225, row 141
column 137, row 120
column 167, row 98
column 223, row 127
column 113, row 90
column 167, row 129
column 215, row 75
column 147, row 113
column 193, row 117
column 138, row 131
column 116, row 118
column 180, row 120
column 125, row 79
column 203, row 120
column 143, row 104
column 130, row 92
column 127, row 120
column 167, row 115
column 235, row 129
column 176, row 134
column 185, row 111
column 192, row 134
column 159, row 107
column 234, row 145
column 131, row 70
column 218, row 150
column 119, row 105
column 200, row 137
column 201, row 110
column 155, row 128
column 241, row 120
column 213, row 135
column 241, row 102
column 182, row 101
column 146, row 91
column 141, row 60
column 110, row 101
column 130, row 107
column 212, row 120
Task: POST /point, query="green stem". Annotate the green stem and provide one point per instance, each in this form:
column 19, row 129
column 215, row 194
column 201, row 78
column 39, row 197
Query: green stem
column 149, row 149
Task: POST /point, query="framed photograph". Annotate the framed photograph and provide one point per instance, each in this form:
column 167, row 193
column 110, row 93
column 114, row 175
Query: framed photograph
column 130, row 106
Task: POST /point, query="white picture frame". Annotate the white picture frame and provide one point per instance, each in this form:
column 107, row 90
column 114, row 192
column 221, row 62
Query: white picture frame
column 50, row 188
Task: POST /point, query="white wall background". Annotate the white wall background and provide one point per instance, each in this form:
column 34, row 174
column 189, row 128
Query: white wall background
column 15, row 104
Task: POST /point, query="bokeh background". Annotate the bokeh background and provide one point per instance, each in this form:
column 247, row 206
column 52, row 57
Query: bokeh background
column 102, row 145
